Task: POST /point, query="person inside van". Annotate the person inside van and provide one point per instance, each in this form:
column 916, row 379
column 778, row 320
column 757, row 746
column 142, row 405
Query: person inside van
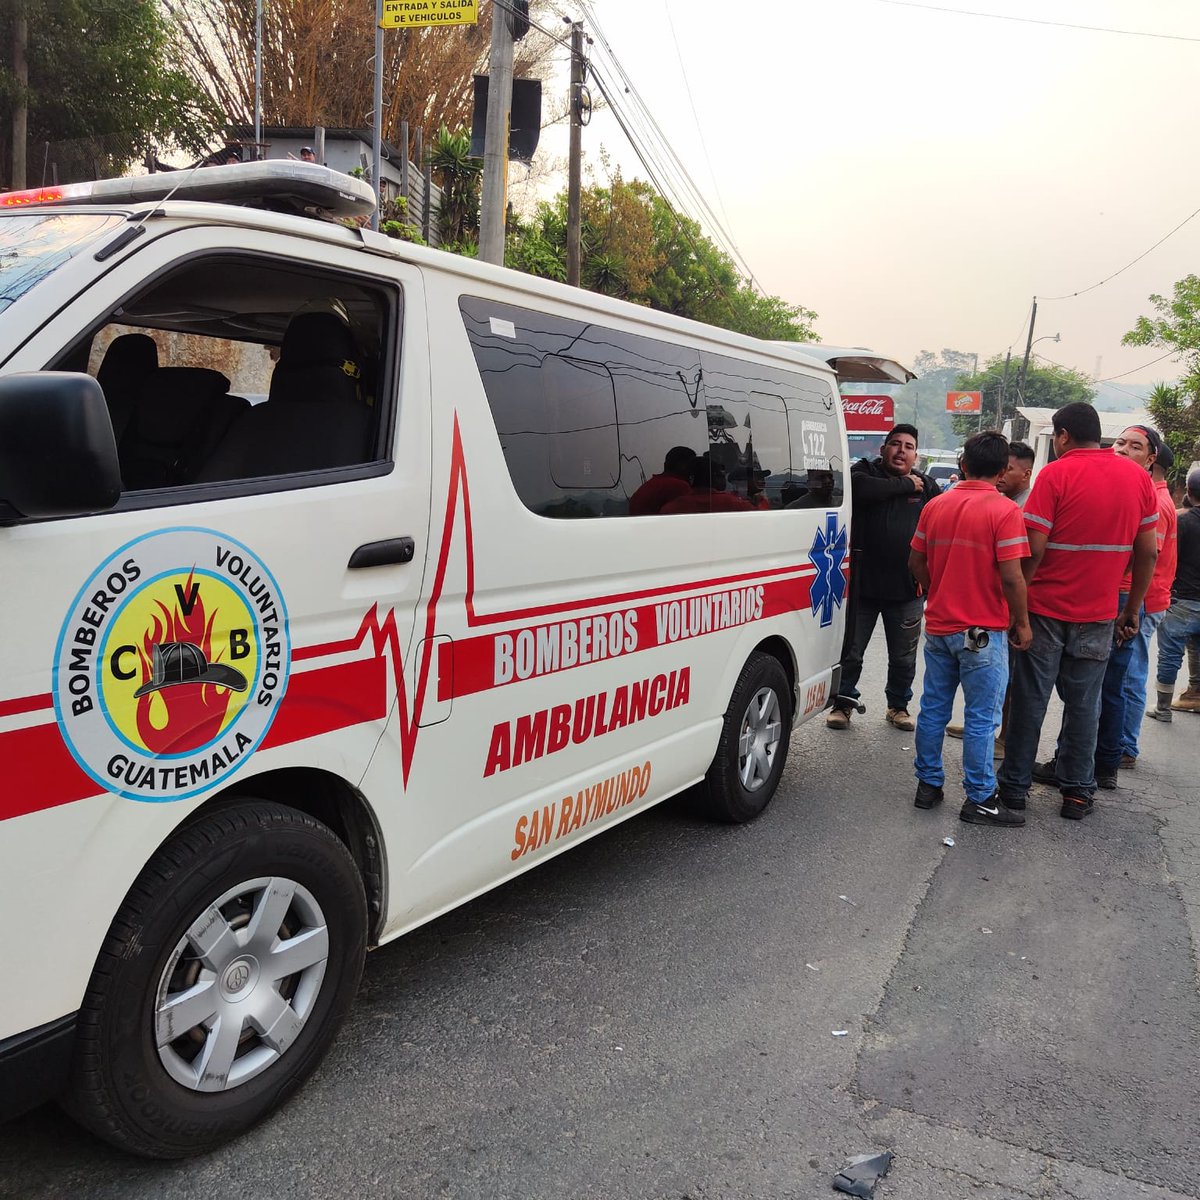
column 673, row 481
column 709, row 491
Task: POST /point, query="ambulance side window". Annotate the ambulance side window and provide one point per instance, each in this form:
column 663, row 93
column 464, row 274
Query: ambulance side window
column 585, row 413
column 235, row 368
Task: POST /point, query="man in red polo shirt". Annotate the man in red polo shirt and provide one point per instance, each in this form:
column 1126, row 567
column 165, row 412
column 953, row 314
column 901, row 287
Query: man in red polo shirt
column 967, row 554
column 1087, row 512
column 673, row 481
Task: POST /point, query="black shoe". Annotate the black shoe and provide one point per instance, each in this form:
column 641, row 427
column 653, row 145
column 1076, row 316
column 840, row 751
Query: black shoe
column 928, row 796
column 1046, row 772
column 1016, row 803
column 1107, row 780
column 991, row 813
column 1075, row 808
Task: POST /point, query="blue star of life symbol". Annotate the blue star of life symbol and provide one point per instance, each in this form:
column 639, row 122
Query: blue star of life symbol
column 827, row 553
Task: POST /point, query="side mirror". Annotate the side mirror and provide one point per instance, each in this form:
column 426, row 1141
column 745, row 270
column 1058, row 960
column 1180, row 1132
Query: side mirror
column 58, row 456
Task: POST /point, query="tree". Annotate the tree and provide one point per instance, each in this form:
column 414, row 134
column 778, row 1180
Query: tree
column 317, row 63
column 633, row 245
column 1176, row 415
column 1048, row 386
column 101, row 89
column 922, row 401
column 1176, row 327
column 459, row 176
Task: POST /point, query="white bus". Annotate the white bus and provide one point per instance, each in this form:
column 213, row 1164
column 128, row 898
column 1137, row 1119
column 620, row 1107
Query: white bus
column 282, row 679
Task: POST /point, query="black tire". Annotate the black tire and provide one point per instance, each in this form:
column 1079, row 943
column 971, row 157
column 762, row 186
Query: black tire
column 762, row 687
column 122, row 1087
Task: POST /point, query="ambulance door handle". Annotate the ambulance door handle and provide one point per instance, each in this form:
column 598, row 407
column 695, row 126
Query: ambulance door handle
column 385, row 553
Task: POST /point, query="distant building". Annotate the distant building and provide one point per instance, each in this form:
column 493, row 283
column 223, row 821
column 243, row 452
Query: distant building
column 350, row 150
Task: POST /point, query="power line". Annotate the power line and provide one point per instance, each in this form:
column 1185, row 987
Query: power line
column 1169, row 354
column 963, row 12
column 1084, row 291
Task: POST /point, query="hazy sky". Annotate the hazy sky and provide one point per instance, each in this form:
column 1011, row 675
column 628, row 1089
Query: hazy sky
column 917, row 176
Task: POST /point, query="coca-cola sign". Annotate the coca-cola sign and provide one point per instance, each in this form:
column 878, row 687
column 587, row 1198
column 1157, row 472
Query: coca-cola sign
column 869, row 414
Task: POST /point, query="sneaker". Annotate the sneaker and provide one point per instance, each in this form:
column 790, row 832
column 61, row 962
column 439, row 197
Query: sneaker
column 928, row 796
column 1128, row 762
column 1075, row 808
column 991, row 813
column 1107, row 780
column 838, row 718
column 1016, row 803
column 1189, row 701
column 954, row 731
column 1046, row 772
column 900, row 718
column 1164, row 714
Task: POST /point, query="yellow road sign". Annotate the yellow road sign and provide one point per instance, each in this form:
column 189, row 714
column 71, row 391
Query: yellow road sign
column 402, row 14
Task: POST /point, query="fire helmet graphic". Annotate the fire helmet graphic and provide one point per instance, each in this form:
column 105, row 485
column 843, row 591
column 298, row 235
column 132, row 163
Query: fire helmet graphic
column 171, row 665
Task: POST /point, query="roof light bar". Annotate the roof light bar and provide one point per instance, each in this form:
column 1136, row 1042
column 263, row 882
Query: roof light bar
column 276, row 184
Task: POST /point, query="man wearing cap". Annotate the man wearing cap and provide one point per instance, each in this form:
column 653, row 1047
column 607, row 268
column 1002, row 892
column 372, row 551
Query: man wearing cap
column 1088, row 510
column 889, row 494
column 1158, row 600
column 1183, row 617
column 307, row 155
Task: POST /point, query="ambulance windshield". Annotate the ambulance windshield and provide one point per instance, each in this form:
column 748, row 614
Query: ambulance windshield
column 34, row 245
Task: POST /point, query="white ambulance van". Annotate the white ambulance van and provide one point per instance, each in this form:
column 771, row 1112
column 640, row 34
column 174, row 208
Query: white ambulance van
column 342, row 580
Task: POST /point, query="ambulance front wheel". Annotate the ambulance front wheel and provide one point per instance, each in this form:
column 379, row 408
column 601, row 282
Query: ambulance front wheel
column 222, row 982
column 754, row 742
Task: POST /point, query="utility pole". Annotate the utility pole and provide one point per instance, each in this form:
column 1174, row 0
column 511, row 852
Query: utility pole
column 20, row 117
column 377, row 117
column 1003, row 389
column 1025, row 361
column 258, row 80
column 575, row 155
column 492, row 203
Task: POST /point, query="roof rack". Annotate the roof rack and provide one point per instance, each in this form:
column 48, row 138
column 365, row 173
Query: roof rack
column 279, row 184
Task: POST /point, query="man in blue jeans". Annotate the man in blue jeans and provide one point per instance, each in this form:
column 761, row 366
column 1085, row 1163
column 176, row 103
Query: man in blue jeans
column 1182, row 622
column 966, row 554
column 1088, row 511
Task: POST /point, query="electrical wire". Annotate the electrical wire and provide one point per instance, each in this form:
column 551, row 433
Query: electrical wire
column 1084, row 291
column 657, row 145
column 963, row 12
column 1169, row 354
column 695, row 115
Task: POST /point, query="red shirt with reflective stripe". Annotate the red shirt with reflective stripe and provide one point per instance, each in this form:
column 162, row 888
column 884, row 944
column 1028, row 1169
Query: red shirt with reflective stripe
column 1158, row 594
column 963, row 534
column 1091, row 504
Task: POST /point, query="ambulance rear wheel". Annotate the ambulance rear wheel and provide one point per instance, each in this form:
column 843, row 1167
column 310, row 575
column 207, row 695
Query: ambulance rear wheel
column 223, row 981
column 754, row 742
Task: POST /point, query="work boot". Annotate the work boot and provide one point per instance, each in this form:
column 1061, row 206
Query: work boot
column 928, row 795
column 954, row 731
column 1075, row 808
column 1128, row 762
column 1162, row 710
column 1188, row 702
column 838, row 718
column 900, row 719
column 1107, row 780
column 1046, row 772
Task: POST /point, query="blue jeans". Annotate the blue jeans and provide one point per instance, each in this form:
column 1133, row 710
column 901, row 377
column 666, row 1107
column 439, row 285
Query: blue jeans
column 1136, row 678
column 1110, row 732
column 902, row 628
column 1181, row 622
column 1072, row 657
column 983, row 674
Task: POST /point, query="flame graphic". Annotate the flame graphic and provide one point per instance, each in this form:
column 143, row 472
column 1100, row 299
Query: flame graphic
column 177, row 719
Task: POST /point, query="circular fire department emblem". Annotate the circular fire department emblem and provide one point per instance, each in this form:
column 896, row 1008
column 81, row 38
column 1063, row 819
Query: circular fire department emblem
column 171, row 664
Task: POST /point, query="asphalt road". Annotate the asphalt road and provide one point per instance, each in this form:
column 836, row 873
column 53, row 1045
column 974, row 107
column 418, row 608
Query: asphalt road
column 652, row 1016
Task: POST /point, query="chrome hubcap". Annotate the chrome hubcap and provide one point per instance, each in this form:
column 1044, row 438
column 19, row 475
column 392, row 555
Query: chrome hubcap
column 241, row 984
column 758, row 742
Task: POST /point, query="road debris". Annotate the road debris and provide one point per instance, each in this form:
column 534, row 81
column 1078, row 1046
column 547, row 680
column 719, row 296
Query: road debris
column 847, row 899
column 860, row 1175
column 947, row 841
column 839, row 1032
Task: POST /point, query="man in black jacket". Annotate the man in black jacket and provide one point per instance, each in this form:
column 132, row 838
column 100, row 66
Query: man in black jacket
column 889, row 494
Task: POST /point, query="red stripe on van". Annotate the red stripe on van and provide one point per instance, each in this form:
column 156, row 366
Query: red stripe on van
column 24, row 704
column 39, row 772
